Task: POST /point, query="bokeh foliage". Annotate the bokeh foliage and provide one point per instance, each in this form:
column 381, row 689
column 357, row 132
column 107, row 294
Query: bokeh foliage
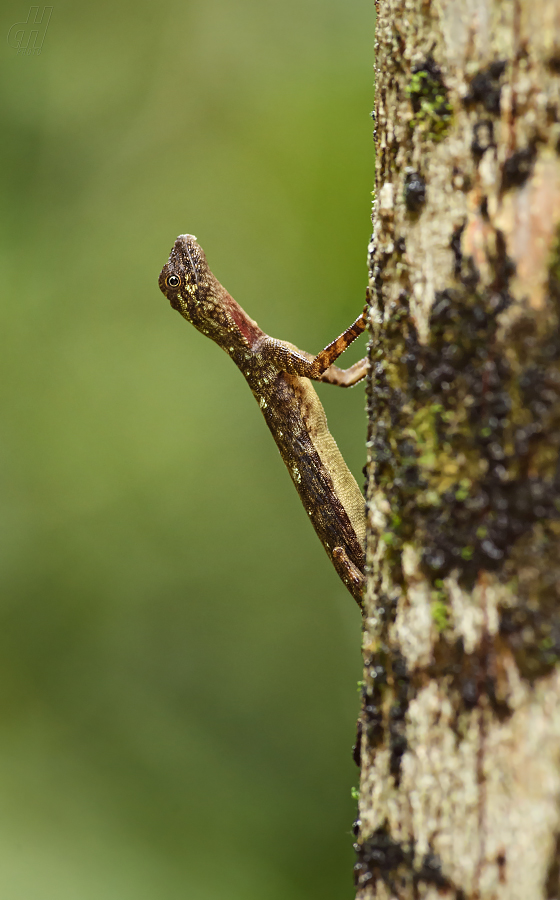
column 178, row 659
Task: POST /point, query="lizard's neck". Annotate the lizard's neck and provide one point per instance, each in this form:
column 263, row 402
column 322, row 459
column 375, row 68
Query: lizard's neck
column 246, row 327
column 217, row 315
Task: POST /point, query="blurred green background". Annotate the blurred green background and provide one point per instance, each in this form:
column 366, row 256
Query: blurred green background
column 178, row 658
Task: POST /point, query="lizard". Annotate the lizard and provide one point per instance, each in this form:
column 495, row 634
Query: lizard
column 279, row 375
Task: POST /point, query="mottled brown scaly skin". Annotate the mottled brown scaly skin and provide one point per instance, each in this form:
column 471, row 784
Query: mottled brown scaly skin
column 278, row 375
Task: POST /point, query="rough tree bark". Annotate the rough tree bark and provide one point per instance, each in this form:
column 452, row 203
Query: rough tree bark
column 460, row 743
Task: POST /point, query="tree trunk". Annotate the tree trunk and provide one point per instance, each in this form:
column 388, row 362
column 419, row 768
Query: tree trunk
column 460, row 746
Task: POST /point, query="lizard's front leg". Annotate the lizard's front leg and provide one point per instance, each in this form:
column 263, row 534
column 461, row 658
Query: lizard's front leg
column 287, row 358
column 346, row 377
column 332, row 351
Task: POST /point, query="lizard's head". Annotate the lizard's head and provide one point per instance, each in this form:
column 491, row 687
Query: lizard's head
column 192, row 290
column 185, row 277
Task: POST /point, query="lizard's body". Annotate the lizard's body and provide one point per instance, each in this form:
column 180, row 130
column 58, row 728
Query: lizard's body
column 276, row 372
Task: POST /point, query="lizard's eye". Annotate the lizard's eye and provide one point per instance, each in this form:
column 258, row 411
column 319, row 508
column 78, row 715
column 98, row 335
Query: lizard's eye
column 173, row 281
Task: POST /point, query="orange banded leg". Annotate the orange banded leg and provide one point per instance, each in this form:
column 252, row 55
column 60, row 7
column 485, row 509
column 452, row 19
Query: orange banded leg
column 288, row 358
column 332, row 351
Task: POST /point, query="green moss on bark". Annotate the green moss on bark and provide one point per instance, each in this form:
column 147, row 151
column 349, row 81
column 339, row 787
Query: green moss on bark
column 466, row 445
